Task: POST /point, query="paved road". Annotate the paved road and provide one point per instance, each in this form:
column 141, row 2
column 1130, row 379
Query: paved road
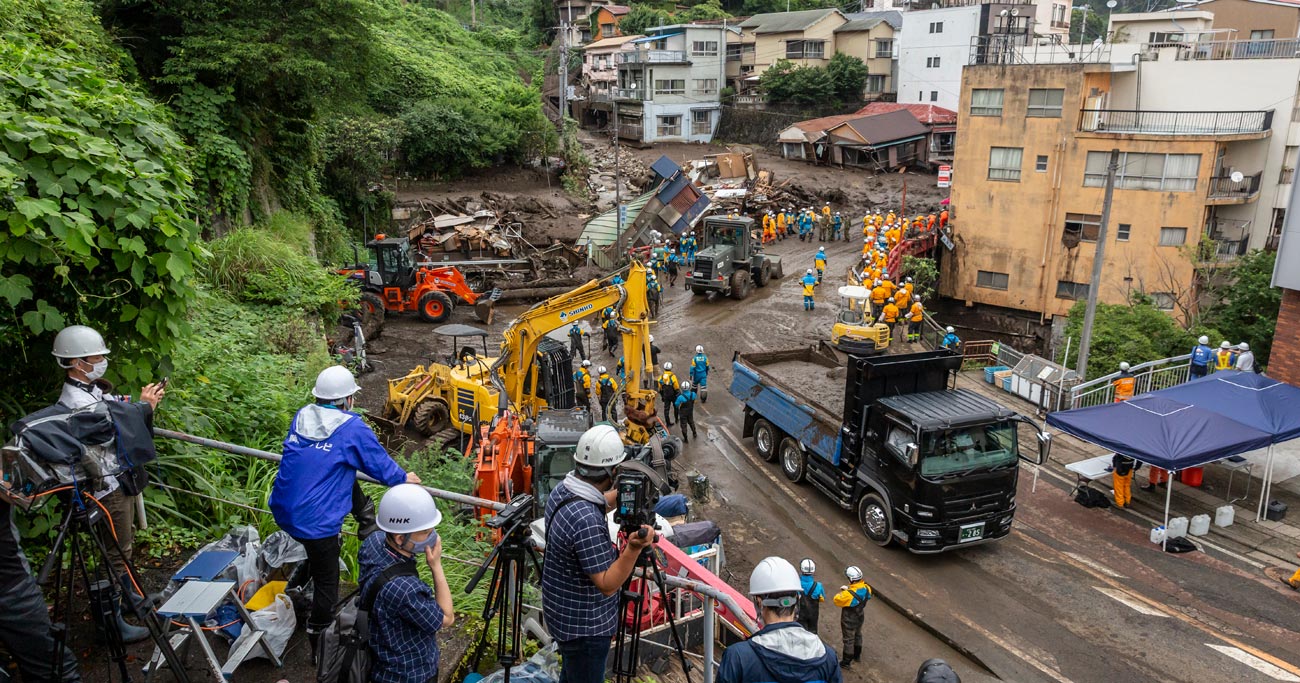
column 1074, row 595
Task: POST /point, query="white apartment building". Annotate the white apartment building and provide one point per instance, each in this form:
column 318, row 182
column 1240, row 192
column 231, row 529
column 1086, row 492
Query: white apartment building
column 670, row 83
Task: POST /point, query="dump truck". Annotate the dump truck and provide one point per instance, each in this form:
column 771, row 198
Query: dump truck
column 920, row 463
column 731, row 261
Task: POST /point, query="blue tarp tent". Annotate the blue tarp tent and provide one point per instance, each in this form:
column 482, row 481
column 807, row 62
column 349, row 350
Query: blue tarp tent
column 1254, row 400
column 1160, row 431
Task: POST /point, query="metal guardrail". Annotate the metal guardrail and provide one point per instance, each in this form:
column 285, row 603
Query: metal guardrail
column 1150, row 376
column 1282, row 48
column 1224, row 187
column 1175, row 122
column 653, row 57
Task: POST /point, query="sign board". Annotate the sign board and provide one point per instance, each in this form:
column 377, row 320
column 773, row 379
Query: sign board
column 945, row 176
column 947, row 241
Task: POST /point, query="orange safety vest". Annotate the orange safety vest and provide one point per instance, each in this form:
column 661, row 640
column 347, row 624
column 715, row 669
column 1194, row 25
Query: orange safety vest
column 918, row 313
column 890, row 313
column 1124, row 387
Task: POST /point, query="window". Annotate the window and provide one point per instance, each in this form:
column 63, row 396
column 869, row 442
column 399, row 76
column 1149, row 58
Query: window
column 670, row 126
column 675, row 86
column 733, row 52
column 986, row 102
column 704, row 48
column 1071, row 290
column 1040, row 164
column 1059, row 15
column 1173, row 237
column 1045, row 102
column 1004, row 163
column 991, row 280
column 876, row 83
column 1163, row 300
column 884, row 48
column 1165, row 38
column 936, row 27
column 1164, row 172
column 1122, row 231
column 1082, row 226
column 934, row 95
column 1266, row 34
column 805, row 49
column 701, row 122
column 931, row 62
column 706, row 86
column 606, row 30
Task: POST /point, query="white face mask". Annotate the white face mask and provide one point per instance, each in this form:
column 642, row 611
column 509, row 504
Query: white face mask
column 97, row 370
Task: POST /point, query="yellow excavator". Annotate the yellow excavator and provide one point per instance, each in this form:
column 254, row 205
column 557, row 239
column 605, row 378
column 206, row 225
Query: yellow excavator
column 533, row 371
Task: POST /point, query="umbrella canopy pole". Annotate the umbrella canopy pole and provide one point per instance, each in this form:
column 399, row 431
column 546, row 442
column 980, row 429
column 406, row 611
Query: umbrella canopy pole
column 1169, row 492
column 1265, row 486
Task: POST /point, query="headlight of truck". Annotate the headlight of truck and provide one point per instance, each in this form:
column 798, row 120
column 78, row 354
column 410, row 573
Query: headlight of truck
column 927, row 533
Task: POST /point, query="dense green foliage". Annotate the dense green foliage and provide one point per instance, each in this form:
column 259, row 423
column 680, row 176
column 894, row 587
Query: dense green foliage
column 842, row 80
column 96, row 202
column 924, row 273
column 261, row 266
column 1245, row 306
column 752, row 7
column 643, row 17
column 1135, row 333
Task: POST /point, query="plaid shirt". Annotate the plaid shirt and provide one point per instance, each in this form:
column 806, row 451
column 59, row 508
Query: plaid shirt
column 405, row 621
column 578, row 546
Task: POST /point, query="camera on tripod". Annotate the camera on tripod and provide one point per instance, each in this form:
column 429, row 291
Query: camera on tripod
column 637, row 497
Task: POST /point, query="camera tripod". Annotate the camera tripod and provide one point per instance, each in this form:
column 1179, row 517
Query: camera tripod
column 78, row 543
column 627, row 647
column 509, row 562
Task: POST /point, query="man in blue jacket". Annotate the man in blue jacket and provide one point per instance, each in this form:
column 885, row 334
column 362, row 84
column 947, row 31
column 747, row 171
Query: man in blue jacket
column 316, row 485
column 1202, row 354
column 782, row 651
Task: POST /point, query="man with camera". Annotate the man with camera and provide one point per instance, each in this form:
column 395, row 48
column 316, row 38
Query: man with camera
column 584, row 571
column 782, row 651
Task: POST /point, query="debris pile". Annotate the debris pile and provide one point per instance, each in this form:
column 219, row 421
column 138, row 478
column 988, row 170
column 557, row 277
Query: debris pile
column 734, row 183
column 606, row 169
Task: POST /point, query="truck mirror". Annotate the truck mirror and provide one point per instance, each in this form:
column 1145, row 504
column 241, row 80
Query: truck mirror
column 1044, row 446
column 913, row 453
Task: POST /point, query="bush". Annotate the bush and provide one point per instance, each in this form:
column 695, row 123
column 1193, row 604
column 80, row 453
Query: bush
column 263, row 265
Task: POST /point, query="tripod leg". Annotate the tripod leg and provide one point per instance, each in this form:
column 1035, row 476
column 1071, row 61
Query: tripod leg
column 672, row 623
column 490, row 608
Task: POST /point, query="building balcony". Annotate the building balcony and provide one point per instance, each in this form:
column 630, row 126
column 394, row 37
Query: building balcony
column 640, row 58
column 1239, row 125
column 629, row 94
column 1284, row 48
column 1225, row 190
column 1225, row 239
column 629, row 131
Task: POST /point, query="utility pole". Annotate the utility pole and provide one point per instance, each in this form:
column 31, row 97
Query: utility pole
column 1099, row 259
column 473, row 13
column 618, row 183
column 564, row 71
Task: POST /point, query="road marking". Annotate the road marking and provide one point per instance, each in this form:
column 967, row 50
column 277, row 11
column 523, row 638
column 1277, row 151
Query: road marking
column 1096, row 565
column 1024, row 656
column 1255, row 663
column 1123, row 598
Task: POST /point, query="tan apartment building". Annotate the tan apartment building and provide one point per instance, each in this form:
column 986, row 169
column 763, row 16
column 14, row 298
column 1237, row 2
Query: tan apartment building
column 872, row 37
column 1254, row 19
column 1033, row 145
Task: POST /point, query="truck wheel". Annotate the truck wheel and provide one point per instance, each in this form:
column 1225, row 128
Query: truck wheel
column 794, row 463
column 764, row 274
column 430, row 417
column 873, row 517
column 372, row 315
column 741, row 281
column 765, row 439
column 434, row 307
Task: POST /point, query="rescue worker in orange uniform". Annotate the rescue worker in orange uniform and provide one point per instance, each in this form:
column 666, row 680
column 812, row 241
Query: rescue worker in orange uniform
column 943, row 219
column 1124, row 384
column 914, row 318
column 889, row 316
column 902, row 297
column 1122, row 469
column 879, row 294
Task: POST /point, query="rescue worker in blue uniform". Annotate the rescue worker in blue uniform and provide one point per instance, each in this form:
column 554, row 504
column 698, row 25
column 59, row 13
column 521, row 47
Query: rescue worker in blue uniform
column 576, row 348
column 811, row 596
column 1202, row 354
column 316, row 485
column 782, row 651
column 685, row 405
column 809, row 283
column 852, row 601
column 837, row 226
column 691, row 245
column 700, row 373
column 951, row 340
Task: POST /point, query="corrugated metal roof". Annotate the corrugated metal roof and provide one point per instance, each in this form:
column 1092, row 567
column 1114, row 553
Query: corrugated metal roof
column 929, row 114
column 883, row 128
column 861, row 21
column 602, row 230
column 936, row 409
column 787, row 22
column 658, row 36
column 610, row 42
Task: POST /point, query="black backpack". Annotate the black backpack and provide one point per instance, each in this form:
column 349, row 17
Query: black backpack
column 344, row 650
column 1091, row 498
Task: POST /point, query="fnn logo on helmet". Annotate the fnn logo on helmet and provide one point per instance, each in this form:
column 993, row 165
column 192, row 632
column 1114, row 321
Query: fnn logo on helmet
column 565, row 315
column 399, row 520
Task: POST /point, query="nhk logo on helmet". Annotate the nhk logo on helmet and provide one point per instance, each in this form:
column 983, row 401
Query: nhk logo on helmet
column 565, row 315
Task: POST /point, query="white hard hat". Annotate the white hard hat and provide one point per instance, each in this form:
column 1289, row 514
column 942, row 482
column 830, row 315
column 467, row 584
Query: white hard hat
column 807, row 566
column 1243, row 346
column 877, row 283
column 586, row 363
column 891, row 299
column 686, row 385
column 335, row 382
column 668, row 365
column 79, row 341
column 774, row 576
column 866, row 241
column 601, row 369
column 407, row 508
column 949, row 328
column 652, row 339
column 1123, row 367
column 600, row 446
column 853, row 573
column 1224, row 344
column 1203, row 340
column 908, row 280
column 810, row 271
column 699, row 348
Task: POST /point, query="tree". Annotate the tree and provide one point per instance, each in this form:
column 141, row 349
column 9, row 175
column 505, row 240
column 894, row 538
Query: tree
column 849, row 76
column 1245, row 308
column 1135, row 333
column 708, row 10
column 643, row 17
column 785, row 82
column 924, row 273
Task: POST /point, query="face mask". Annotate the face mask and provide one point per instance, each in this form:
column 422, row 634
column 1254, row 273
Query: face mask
column 97, row 370
column 418, row 547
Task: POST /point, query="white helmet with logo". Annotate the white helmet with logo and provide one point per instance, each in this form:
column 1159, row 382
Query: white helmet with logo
column 807, row 566
column 407, row 508
column 853, row 573
column 600, row 446
column 699, row 348
column 668, row 365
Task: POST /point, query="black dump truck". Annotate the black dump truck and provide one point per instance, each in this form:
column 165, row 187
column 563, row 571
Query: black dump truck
column 731, row 261
column 919, row 462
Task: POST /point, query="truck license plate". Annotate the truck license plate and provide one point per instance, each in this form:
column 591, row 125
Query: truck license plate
column 698, row 274
column 971, row 532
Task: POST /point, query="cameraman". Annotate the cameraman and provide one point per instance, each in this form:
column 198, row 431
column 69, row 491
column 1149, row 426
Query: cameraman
column 583, row 571
column 25, row 620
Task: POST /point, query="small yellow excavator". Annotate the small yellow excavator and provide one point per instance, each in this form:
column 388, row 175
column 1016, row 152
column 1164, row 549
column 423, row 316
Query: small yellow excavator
column 856, row 331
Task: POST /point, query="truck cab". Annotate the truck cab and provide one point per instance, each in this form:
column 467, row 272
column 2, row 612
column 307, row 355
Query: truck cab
column 731, row 261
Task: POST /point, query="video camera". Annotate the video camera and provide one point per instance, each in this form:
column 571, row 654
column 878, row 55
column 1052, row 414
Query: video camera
column 639, row 488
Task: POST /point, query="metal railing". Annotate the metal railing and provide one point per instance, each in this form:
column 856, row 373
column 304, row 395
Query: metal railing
column 1019, row 49
column 630, row 93
column 1150, row 376
column 600, row 96
column 1175, row 122
column 1283, row 48
column 1224, row 187
column 653, row 57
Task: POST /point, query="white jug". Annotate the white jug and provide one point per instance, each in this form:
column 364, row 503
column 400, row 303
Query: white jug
column 1200, row 525
column 1223, row 516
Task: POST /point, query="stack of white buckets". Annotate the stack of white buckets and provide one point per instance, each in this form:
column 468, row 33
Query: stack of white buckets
column 1199, row 526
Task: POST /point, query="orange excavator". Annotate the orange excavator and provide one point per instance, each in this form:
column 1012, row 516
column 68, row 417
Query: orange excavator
column 394, row 282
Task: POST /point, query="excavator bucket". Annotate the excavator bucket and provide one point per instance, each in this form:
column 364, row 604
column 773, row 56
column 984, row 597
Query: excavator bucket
column 486, row 306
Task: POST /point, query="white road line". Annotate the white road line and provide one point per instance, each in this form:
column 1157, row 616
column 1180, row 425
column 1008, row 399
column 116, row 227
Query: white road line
column 1096, row 565
column 1123, row 598
column 1255, row 663
column 1024, row 656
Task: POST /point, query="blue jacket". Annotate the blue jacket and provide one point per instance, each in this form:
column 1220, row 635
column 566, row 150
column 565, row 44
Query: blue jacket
column 699, row 367
column 950, row 340
column 812, row 587
column 325, row 448
column 780, row 653
column 809, row 280
column 1202, row 354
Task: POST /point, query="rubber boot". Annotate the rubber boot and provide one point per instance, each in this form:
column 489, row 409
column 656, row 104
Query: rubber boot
column 106, row 612
column 363, row 510
column 133, row 601
column 313, row 639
